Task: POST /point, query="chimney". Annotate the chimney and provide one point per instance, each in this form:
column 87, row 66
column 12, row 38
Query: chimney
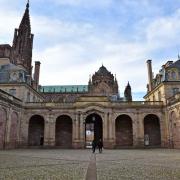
column 150, row 75
column 36, row 74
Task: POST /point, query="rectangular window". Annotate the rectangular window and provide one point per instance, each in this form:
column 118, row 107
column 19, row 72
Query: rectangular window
column 12, row 92
column 175, row 91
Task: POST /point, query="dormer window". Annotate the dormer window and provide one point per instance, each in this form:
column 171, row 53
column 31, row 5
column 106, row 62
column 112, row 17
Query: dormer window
column 173, row 75
column 175, row 91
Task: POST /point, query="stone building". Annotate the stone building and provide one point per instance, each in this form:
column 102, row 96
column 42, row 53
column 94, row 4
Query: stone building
column 71, row 116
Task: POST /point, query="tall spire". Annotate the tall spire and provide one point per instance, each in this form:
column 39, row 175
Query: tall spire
column 127, row 93
column 25, row 22
column 23, row 43
column 27, row 5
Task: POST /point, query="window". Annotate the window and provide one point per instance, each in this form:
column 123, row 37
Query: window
column 175, row 91
column 159, row 95
column 173, row 74
column 12, row 92
column 28, row 96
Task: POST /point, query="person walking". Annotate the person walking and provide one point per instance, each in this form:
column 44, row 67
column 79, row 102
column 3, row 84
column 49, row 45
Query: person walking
column 93, row 146
column 100, row 145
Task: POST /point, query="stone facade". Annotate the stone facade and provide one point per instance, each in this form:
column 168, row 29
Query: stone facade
column 72, row 116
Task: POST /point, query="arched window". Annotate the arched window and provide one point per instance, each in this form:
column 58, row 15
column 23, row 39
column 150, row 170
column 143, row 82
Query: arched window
column 159, row 95
column 28, row 96
column 173, row 75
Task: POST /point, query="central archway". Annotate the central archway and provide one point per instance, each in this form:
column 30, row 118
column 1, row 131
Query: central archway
column 93, row 129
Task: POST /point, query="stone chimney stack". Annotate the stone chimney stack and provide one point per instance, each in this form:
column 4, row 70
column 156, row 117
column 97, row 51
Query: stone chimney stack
column 150, row 74
column 36, row 74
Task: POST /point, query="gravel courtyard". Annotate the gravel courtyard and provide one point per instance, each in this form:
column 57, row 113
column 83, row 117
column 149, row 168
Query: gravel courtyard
column 74, row 164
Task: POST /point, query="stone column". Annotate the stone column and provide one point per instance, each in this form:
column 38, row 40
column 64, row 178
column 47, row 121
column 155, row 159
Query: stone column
column 49, row 131
column 8, row 128
column 109, row 143
column 163, row 131
column 82, row 131
column 78, row 127
column 105, row 127
column 52, row 130
column 140, row 130
column 135, row 124
column 111, row 128
column 177, row 133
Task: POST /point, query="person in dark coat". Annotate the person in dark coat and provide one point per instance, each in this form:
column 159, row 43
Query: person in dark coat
column 100, row 145
column 93, row 146
column 41, row 140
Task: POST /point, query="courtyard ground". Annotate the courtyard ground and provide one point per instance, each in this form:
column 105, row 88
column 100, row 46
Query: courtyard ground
column 160, row 164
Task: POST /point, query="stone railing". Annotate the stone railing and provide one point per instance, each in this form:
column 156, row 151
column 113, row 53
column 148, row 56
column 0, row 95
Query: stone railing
column 71, row 105
column 6, row 97
column 174, row 99
column 48, row 105
column 136, row 103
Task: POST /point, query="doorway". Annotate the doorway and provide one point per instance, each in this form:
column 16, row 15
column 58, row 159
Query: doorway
column 93, row 129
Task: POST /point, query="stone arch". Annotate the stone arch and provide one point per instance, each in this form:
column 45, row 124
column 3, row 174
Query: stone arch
column 13, row 129
column 30, row 115
column 152, row 131
column 70, row 115
column 93, row 128
column 63, row 133
column 36, row 131
column 3, row 119
column 124, row 130
column 93, row 111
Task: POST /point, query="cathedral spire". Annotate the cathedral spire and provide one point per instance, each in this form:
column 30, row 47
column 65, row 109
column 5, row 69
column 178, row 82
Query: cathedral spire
column 23, row 43
column 25, row 22
column 127, row 93
column 27, row 5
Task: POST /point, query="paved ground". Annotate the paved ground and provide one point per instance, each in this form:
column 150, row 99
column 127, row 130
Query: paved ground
column 150, row 164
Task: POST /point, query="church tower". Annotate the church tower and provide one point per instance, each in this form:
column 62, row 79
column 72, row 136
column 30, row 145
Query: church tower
column 127, row 93
column 23, row 43
column 103, row 83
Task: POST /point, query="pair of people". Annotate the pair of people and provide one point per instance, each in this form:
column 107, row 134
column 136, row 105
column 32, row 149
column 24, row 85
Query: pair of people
column 99, row 144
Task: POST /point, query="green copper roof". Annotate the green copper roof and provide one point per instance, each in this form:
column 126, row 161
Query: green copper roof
column 64, row 89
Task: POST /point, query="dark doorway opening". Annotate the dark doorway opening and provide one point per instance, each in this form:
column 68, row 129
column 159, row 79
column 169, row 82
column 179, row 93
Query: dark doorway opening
column 152, row 130
column 93, row 129
column 64, row 132
column 36, row 131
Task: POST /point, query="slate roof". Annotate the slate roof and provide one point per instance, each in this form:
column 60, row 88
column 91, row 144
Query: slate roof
column 175, row 64
column 102, row 71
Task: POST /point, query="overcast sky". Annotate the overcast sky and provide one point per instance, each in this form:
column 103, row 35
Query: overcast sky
column 74, row 37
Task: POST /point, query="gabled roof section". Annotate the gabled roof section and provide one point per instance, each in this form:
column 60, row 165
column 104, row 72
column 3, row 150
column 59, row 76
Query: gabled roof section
column 175, row 64
column 64, row 89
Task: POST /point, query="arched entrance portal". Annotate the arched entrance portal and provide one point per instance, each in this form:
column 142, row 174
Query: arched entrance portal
column 124, row 132
column 36, row 131
column 93, row 129
column 64, row 131
column 152, row 130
